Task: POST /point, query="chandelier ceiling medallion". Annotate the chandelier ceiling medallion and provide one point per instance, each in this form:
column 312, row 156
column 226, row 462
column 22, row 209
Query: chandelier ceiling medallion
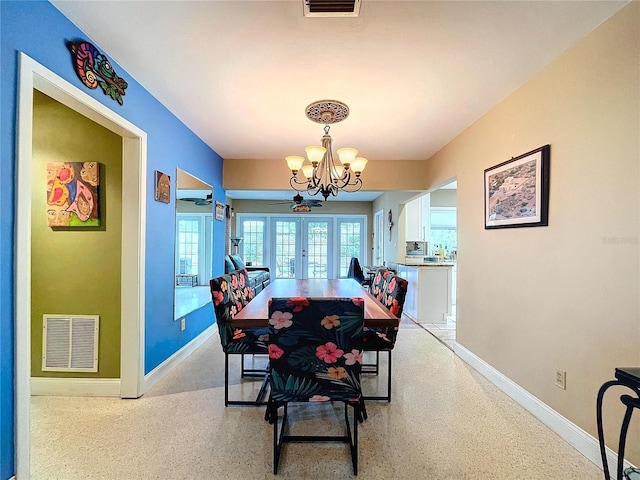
column 322, row 174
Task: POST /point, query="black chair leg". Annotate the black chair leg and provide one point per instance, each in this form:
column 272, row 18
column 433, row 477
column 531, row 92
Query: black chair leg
column 276, row 444
column 278, row 437
column 280, row 431
column 226, row 379
column 630, row 403
column 389, row 379
column 253, row 373
column 386, row 397
column 363, row 411
column 353, row 439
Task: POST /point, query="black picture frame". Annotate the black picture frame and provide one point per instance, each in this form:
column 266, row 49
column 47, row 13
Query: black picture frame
column 516, row 192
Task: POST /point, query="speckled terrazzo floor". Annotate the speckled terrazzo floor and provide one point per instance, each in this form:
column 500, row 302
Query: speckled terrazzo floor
column 445, row 422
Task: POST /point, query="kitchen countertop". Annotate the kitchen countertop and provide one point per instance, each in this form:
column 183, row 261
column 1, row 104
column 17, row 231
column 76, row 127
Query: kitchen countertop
column 427, row 264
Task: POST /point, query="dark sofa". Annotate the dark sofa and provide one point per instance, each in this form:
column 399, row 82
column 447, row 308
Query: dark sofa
column 259, row 277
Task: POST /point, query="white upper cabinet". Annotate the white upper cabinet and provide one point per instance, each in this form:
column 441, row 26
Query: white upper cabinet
column 417, row 219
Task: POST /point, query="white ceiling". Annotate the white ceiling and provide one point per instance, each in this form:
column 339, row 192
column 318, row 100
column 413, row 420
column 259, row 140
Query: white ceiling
column 414, row 73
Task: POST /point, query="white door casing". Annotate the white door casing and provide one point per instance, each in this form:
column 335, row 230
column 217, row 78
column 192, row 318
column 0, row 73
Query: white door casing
column 32, row 76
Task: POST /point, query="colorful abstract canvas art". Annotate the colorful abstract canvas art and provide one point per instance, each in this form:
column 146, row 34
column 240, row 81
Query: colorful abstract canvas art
column 72, row 194
column 163, row 187
column 94, row 69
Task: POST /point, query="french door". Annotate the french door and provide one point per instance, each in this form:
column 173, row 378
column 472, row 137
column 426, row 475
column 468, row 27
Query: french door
column 302, row 247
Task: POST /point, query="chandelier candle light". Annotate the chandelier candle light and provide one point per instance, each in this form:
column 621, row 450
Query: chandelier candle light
column 321, row 174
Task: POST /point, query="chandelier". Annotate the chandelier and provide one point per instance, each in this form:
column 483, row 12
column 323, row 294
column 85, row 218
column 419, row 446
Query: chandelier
column 322, row 174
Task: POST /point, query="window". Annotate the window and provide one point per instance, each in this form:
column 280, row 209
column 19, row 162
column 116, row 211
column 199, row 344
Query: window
column 193, row 246
column 350, row 242
column 443, row 230
column 252, row 246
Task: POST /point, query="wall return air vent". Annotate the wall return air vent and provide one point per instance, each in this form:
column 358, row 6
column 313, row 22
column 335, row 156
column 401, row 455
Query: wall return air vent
column 70, row 343
column 331, row 8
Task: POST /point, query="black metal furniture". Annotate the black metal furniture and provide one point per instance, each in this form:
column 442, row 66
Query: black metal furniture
column 230, row 294
column 627, row 377
column 315, row 348
column 390, row 290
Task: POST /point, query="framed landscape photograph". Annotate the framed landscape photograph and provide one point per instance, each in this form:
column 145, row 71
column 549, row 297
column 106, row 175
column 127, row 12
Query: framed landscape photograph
column 516, row 192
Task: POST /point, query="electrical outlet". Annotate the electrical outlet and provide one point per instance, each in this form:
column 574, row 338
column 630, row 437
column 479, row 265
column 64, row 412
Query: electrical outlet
column 561, row 379
column 183, row 324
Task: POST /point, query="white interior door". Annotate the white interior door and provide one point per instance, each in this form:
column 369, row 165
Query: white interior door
column 378, row 238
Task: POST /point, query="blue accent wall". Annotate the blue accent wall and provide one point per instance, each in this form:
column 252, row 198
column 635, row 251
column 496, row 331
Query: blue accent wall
column 38, row 29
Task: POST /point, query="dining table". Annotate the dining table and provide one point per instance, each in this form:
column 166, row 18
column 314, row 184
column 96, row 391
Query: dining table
column 256, row 312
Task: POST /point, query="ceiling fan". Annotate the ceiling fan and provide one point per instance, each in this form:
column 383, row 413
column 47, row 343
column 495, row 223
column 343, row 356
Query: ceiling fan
column 299, row 201
column 208, row 200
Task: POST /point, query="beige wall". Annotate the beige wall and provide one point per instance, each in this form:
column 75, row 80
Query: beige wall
column 566, row 296
column 328, row 207
column 70, row 272
column 531, row 300
column 394, row 241
column 380, row 176
column 443, row 198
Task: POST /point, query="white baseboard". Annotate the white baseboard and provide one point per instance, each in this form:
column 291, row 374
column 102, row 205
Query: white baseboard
column 585, row 443
column 75, row 387
column 158, row 373
column 110, row 387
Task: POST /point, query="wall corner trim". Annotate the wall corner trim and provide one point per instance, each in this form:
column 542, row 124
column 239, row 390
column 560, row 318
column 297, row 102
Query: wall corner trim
column 161, row 371
column 582, row 441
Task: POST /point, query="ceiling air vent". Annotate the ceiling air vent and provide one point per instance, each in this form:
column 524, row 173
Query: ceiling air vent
column 331, row 8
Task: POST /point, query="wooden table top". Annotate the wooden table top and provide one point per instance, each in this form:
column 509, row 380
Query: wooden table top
column 257, row 310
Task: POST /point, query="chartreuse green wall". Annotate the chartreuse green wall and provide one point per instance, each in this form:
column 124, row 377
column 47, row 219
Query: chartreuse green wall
column 77, row 270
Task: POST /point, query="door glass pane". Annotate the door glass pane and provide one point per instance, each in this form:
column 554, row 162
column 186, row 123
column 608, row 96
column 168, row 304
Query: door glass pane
column 285, row 248
column 317, row 245
column 350, row 243
column 253, row 242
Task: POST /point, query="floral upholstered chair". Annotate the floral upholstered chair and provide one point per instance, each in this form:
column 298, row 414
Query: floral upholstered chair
column 379, row 283
column 230, row 294
column 315, row 351
column 392, row 291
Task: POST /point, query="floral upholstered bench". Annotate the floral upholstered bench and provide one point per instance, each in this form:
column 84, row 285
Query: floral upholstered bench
column 390, row 290
column 230, row 293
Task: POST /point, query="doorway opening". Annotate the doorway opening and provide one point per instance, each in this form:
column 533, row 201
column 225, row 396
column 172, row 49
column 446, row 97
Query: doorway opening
column 442, row 239
column 34, row 76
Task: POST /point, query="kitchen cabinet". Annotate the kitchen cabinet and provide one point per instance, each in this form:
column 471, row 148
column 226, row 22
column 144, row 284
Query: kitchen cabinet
column 417, row 219
column 430, row 292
